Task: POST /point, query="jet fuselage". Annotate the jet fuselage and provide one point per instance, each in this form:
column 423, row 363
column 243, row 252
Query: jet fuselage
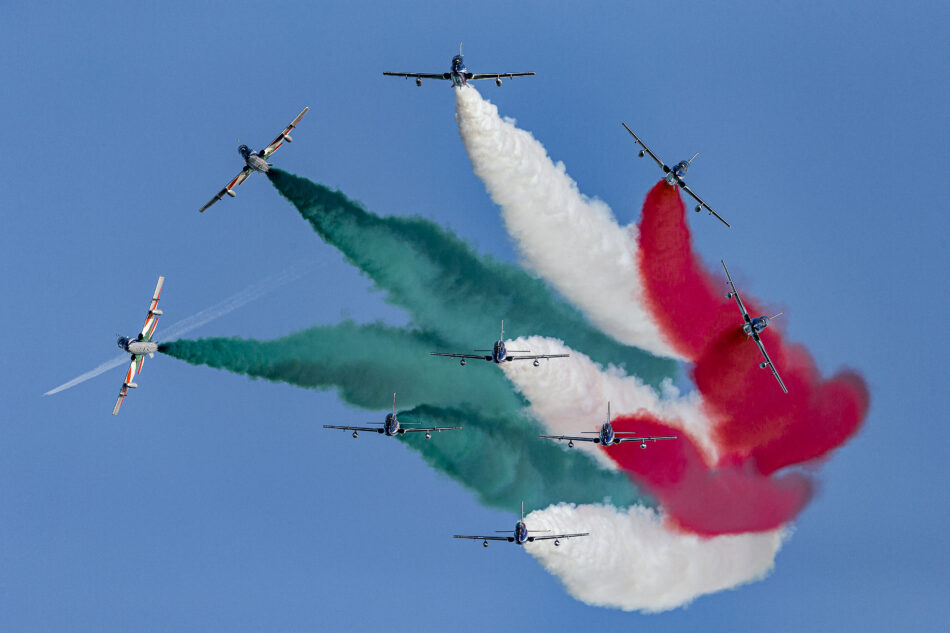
column 134, row 346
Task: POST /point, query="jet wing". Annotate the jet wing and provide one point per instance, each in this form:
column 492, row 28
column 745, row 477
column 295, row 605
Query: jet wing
column 480, row 356
column 283, row 136
column 768, row 360
column 537, row 357
column 735, row 295
column 134, row 367
column 703, row 204
column 420, row 75
column 472, row 76
column 404, row 429
column 227, row 190
column 618, row 439
column 118, row 403
column 510, row 539
column 646, row 149
column 557, row 536
column 569, row 438
column 151, row 319
column 377, row 429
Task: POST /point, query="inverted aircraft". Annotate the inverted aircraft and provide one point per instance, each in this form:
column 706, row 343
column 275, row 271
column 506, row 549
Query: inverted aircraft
column 256, row 161
column 139, row 346
column 459, row 75
column 753, row 327
column 522, row 534
column 674, row 175
column 606, row 436
column 392, row 426
column 499, row 353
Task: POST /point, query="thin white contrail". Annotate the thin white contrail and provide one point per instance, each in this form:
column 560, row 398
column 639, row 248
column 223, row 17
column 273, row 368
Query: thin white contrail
column 633, row 561
column 180, row 328
column 572, row 241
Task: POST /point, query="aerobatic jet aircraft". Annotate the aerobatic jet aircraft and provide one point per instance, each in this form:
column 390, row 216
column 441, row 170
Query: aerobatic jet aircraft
column 500, row 354
column 139, row 346
column 606, row 436
column 392, row 426
column 752, row 327
column 459, row 75
column 522, row 534
column 674, row 176
column 256, row 161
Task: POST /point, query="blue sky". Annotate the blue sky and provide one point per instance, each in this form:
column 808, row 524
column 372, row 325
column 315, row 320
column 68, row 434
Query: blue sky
column 215, row 502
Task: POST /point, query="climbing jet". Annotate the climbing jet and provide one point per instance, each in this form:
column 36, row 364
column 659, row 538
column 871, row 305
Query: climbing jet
column 459, row 75
column 392, row 426
column 752, row 327
column 606, row 436
column 139, row 346
column 675, row 175
column 256, row 161
column 500, row 354
column 522, row 534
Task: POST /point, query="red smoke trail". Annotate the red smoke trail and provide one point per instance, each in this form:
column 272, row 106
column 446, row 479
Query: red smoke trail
column 758, row 429
column 732, row 498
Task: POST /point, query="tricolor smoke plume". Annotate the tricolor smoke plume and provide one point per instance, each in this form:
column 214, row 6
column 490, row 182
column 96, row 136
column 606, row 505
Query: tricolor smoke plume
column 698, row 490
column 497, row 454
column 438, row 278
column 752, row 417
column 635, row 563
column 572, row 241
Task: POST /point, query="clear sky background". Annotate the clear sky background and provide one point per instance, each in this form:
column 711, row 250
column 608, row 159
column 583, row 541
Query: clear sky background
column 215, row 502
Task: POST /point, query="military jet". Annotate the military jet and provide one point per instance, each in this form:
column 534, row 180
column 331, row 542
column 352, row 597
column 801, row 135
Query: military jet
column 606, row 436
column 459, row 75
column 674, row 176
column 499, row 353
column 392, row 427
column 522, row 534
column 752, row 327
column 139, row 346
column 256, row 161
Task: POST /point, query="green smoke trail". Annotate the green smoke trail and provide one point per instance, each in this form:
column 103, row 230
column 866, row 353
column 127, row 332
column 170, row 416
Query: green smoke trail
column 503, row 460
column 366, row 363
column 497, row 454
column 447, row 287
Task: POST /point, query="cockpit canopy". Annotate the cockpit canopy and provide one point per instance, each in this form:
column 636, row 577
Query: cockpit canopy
column 122, row 342
column 457, row 63
column 244, row 150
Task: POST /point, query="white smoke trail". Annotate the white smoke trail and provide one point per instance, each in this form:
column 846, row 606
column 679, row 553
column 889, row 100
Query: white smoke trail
column 571, row 240
column 180, row 328
column 631, row 561
column 570, row 397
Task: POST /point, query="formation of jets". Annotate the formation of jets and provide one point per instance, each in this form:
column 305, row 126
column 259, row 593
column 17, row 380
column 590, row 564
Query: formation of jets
column 521, row 534
column 392, row 427
column 459, row 76
column 499, row 353
column 606, row 436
